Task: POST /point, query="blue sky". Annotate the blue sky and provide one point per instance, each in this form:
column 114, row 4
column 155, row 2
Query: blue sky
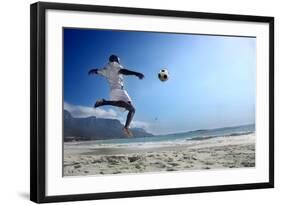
column 212, row 78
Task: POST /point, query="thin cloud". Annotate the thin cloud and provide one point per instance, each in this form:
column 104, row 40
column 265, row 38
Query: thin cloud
column 80, row 111
column 140, row 124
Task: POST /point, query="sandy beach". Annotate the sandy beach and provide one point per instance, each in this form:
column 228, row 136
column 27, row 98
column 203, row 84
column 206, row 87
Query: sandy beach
column 89, row 158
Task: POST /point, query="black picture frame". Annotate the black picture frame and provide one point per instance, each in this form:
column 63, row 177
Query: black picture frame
column 38, row 101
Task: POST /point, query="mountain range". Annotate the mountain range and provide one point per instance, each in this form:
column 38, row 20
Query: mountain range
column 92, row 128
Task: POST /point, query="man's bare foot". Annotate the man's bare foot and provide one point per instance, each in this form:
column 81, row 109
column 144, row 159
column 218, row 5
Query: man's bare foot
column 127, row 132
column 99, row 103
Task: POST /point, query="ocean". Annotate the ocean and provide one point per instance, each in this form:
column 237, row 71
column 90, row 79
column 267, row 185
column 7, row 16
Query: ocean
column 172, row 139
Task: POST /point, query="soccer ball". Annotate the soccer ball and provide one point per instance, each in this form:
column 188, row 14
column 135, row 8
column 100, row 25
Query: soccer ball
column 163, row 75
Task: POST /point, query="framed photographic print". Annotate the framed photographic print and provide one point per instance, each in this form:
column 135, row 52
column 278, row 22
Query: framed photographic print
column 129, row 102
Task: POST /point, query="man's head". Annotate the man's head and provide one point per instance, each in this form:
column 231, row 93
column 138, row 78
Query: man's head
column 114, row 58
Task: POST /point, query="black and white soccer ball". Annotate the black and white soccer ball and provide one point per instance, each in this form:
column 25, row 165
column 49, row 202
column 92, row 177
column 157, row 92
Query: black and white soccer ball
column 163, row 75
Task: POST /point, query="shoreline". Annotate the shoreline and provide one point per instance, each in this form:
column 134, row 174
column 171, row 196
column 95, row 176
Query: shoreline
column 214, row 153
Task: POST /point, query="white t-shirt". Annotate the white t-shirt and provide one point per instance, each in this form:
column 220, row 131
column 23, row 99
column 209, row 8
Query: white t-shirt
column 115, row 80
column 111, row 73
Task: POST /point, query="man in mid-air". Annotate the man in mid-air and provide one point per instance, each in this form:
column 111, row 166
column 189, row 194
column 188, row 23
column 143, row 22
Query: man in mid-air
column 119, row 97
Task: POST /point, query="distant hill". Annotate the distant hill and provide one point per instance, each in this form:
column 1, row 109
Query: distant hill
column 92, row 128
column 216, row 132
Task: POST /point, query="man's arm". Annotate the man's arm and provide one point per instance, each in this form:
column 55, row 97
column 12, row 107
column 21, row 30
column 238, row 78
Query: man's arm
column 93, row 71
column 129, row 72
column 97, row 71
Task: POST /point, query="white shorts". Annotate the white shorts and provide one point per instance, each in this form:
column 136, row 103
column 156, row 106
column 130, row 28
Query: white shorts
column 120, row 95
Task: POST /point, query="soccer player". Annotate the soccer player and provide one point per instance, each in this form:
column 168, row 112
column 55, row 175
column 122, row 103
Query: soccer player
column 119, row 97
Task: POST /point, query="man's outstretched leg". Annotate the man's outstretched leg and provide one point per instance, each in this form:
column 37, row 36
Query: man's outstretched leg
column 127, row 105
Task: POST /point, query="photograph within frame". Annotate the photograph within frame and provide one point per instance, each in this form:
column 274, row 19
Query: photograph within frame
column 94, row 142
